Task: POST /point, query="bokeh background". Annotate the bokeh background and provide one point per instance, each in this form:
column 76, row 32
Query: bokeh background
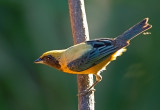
column 30, row 27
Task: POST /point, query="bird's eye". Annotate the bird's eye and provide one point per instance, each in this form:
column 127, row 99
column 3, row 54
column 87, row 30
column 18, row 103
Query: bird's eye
column 49, row 57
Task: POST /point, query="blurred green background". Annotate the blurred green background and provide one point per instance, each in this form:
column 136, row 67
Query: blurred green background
column 30, row 27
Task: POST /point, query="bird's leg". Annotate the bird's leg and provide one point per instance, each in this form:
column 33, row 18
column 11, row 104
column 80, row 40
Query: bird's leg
column 98, row 79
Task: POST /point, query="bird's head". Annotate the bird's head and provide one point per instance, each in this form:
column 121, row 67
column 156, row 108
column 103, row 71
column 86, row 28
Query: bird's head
column 50, row 58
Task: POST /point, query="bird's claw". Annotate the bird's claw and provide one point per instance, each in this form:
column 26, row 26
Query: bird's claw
column 85, row 92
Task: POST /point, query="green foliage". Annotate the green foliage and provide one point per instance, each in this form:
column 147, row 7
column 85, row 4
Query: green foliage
column 30, row 27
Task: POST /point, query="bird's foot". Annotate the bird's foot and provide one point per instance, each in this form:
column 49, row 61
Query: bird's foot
column 85, row 92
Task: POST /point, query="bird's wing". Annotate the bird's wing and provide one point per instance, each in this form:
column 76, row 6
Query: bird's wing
column 101, row 49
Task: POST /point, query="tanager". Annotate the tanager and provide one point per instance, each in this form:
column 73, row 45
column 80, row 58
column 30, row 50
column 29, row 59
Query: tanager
column 91, row 57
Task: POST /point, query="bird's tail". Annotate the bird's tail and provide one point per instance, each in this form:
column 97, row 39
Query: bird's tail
column 135, row 30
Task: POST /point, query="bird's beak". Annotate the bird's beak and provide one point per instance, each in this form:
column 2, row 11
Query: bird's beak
column 39, row 60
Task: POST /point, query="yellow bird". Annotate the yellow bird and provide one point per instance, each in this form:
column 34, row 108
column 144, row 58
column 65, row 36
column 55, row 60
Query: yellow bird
column 91, row 57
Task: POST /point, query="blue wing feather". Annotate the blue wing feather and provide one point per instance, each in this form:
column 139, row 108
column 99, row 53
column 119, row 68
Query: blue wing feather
column 101, row 49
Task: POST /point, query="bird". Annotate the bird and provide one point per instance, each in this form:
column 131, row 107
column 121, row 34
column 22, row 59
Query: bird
column 92, row 56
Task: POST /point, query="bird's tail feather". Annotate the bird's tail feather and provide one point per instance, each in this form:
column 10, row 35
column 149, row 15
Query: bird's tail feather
column 135, row 30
